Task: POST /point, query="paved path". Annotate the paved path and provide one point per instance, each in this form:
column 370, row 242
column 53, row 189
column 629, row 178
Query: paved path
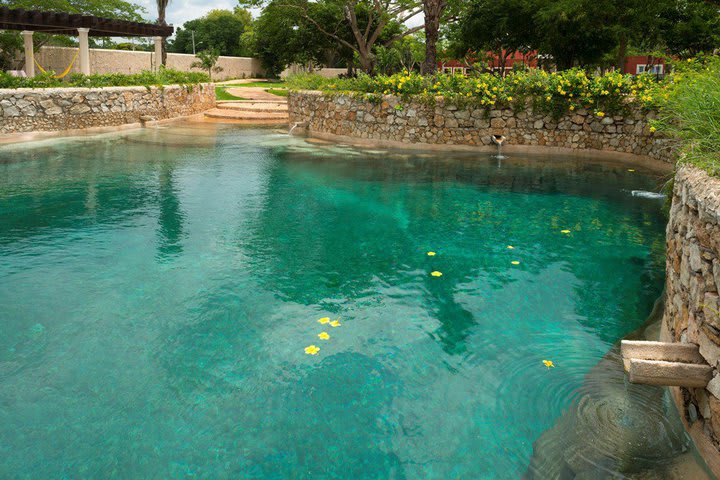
column 257, row 106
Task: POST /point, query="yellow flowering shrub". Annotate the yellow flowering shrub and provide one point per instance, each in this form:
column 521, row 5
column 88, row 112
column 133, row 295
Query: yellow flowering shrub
column 557, row 93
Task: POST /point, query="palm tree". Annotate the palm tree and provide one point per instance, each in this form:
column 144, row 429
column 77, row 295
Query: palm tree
column 162, row 7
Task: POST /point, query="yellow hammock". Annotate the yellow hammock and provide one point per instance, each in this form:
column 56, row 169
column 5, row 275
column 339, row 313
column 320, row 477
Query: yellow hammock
column 67, row 70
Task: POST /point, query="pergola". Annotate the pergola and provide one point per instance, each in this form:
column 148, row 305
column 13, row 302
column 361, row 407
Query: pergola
column 82, row 26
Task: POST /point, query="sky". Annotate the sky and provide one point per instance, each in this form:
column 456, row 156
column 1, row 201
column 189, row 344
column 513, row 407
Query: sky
column 180, row 11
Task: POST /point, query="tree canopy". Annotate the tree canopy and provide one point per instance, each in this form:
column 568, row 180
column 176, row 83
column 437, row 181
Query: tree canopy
column 359, row 25
column 221, row 30
column 119, row 9
column 587, row 32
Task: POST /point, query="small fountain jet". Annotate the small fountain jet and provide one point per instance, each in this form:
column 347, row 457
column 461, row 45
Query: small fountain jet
column 499, row 140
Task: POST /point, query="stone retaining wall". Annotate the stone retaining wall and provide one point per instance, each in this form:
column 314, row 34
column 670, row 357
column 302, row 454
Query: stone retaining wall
column 54, row 109
column 692, row 309
column 395, row 120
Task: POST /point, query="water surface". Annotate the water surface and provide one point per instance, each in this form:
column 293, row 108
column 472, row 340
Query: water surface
column 158, row 289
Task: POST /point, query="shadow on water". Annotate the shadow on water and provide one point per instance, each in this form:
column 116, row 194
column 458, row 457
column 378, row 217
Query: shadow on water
column 616, row 429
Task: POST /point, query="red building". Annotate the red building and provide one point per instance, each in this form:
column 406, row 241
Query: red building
column 634, row 65
column 638, row 64
column 492, row 61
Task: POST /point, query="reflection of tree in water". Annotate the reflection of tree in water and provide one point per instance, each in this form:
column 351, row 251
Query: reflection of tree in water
column 334, row 230
column 171, row 217
column 80, row 188
column 319, row 239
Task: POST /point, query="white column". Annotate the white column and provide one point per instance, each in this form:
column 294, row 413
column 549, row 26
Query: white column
column 158, row 52
column 29, row 53
column 84, row 51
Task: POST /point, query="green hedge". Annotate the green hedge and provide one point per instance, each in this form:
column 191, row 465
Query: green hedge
column 165, row 76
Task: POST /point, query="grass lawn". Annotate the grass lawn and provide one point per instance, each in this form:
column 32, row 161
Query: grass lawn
column 280, row 92
column 222, row 94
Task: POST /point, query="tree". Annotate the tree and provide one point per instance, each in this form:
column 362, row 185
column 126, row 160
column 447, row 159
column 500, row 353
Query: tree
column 437, row 12
column 207, row 60
column 690, row 27
column 574, row 32
column 365, row 20
column 161, row 8
column 406, row 54
column 502, row 27
column 119, row 9
column 220, row 29
column 281, row 37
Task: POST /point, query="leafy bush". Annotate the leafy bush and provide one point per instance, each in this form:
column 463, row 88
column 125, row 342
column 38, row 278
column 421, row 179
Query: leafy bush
column 689, row 105
column 554, row 93
column 164, row 76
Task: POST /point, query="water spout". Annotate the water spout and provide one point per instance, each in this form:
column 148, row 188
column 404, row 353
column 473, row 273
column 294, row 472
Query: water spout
column 499, row 140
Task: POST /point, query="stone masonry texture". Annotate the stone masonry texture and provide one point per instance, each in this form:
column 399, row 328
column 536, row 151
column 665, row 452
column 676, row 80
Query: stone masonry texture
column 54, row 109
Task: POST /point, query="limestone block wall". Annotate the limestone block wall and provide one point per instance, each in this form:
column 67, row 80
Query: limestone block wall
column 393, row 119
column 123, row 61
column 692, row 310
column 55, row 109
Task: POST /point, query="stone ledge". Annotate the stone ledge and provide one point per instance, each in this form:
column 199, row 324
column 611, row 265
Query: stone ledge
column 58, row 109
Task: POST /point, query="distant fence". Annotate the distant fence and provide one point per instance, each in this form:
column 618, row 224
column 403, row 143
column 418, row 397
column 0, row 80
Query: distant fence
column 125, row 61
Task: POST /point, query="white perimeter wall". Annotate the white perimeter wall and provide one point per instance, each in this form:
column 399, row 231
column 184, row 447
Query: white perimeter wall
column 122, row 61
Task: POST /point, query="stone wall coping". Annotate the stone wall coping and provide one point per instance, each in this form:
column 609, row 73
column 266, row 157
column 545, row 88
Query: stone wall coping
column 135, row 88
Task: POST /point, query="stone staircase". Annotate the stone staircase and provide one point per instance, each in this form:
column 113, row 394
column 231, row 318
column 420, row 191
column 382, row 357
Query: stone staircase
column 250, row 111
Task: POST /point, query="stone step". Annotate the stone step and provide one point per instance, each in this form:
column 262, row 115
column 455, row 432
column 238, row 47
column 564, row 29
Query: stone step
column 268, row 107
column 264, row 117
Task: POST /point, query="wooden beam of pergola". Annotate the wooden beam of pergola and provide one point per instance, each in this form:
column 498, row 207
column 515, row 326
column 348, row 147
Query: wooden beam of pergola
column 67, row 24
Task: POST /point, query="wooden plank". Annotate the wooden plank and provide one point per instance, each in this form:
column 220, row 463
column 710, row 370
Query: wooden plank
column 667, row 352
column 677, row 374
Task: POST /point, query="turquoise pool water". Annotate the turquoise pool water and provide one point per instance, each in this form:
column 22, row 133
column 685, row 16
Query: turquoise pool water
column 158, row 290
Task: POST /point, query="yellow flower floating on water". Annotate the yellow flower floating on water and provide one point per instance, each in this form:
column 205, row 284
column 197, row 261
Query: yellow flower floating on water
column 510, row 247
column 323, row 336
column 436, row 274
column 324, row 320
column 312, row 350
column 431, row 254
column 548, row 364
column 515, row 262
column 565, row 231
column 335, row 323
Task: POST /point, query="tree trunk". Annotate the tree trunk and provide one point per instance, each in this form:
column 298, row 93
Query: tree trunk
column 622, row 53
column 163, row 44
column 366, row 61
column 432, row 10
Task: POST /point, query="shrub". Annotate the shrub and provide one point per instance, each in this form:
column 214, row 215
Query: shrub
column 553, row 93
column 164, row 76
column 689, row 105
